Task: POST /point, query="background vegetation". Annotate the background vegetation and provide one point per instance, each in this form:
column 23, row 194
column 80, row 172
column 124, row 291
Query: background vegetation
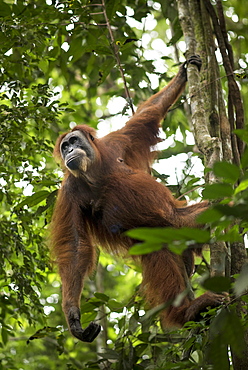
column 59, row 67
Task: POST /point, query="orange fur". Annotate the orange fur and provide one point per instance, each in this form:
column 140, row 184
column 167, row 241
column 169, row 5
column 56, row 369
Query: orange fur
column 117, row 193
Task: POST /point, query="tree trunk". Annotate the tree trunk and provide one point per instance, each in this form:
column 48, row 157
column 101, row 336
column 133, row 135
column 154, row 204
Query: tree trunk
column 213, row 127
column 239, row 258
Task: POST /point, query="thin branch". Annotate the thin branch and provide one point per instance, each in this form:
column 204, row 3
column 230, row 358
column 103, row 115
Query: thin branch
column 117, row 56
column 224, row 31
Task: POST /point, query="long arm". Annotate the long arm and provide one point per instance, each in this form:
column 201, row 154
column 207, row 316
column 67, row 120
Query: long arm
column 149, row 115
column 75, row 257
column 158, row 105
column 143, row 128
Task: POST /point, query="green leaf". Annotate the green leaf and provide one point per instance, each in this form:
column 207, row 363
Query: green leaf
column 217, row 284
column 105, row 69
column 217, row 191
column 5, row 335
column 34, row 199
column 153, row 312
column 155, row 235
column 244, row 158
column 178, row 249
column 231, row 235
column 210, row 215
column 5, row 9
column 227, row 171
column 226, row 329
column 115, row 306
column 76, row 48
column 144, row 337
column 87, row 317
column 241, row 284
column 239, row 211
column 186, row 233
column 133, row 323
column 177, row 148
column 140, row 348
column 87, row 307
column 42, row 333
column 178, row 34
column 102, row 297
column 156, row 238
column 109, row 354
column 242, row 134
column 241, row 187
column 169, row 234
column 145, row 248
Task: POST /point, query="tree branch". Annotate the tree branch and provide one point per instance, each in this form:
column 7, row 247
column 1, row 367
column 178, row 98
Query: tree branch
column 234, row 96
column 117, row 56
column 209, row 146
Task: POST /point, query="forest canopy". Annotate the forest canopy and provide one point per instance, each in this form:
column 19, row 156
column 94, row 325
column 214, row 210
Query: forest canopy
column 65, row 63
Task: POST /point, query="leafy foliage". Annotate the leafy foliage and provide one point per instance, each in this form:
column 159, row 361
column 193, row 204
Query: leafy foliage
column 58, row 68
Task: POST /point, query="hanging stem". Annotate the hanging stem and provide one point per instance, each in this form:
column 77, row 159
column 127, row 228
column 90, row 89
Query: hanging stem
column 235, row 105
column 117, row 56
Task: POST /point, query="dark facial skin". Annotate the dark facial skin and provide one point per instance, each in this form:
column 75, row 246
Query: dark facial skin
column 77, row 152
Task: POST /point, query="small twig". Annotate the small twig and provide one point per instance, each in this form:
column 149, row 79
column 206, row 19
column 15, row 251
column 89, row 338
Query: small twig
column 86, row 6
column 97, row 13
column 117, row 56
column 189, row 191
